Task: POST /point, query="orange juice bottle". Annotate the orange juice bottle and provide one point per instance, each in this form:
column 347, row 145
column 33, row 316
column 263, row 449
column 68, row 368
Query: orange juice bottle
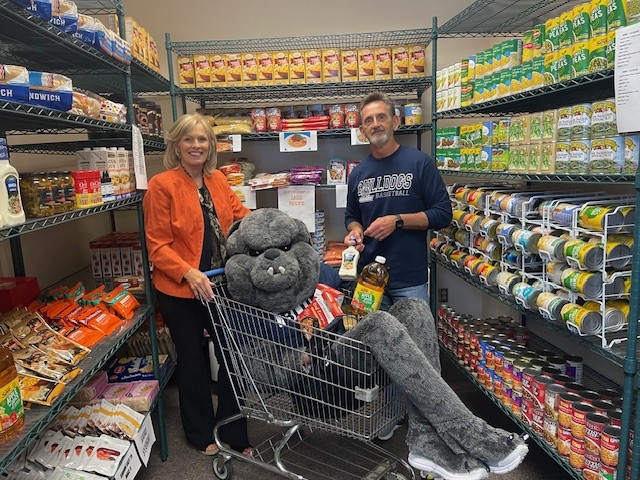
column 370, row 287
column 11, row 409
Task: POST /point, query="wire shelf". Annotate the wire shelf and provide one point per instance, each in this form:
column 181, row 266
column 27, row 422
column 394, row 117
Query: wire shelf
column 337, row 132
column 68, row 148
column 600, row 86
column 502, row 17
column 543, row 177
column 345, row 41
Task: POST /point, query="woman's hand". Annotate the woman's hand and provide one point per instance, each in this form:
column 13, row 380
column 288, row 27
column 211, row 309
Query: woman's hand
column 199, row 283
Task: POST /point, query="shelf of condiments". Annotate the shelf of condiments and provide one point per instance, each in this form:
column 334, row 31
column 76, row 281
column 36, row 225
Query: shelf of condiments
column 301, row 66
column 578, row 42
column 103, row 175
column 543, row 389
column 577, row 139
column 567, row 259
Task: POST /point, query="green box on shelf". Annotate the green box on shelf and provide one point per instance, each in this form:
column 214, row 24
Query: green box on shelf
column 499, row 157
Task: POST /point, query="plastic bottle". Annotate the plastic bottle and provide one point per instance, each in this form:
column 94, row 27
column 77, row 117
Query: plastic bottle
column 10, row 202
column 349, row 267
column 370, row 287
column 12, row 416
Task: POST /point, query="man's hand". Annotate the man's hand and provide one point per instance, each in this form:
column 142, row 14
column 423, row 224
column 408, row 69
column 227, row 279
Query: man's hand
column 381, row 227
column 355, row 238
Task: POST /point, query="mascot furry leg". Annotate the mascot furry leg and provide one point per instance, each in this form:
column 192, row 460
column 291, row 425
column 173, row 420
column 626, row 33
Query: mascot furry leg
column 444, row 436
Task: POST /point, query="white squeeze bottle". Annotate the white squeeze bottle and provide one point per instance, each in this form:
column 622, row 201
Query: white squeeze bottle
column 11, row 209
column 349, row 267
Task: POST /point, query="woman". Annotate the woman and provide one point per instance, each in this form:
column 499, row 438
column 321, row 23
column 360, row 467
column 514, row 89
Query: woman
column 188, row 209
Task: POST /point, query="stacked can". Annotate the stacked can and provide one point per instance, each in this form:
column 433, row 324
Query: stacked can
column 318, row 237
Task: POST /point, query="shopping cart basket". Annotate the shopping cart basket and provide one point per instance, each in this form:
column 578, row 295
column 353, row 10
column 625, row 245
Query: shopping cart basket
column 313, row 386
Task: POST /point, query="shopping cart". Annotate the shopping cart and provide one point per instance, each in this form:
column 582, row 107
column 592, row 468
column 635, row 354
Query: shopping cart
column 334, row 387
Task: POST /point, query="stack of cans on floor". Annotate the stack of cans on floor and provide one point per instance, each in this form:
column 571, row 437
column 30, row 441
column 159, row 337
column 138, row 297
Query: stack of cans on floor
column 318, row 237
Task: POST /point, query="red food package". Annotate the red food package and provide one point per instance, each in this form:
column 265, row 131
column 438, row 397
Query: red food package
column 85, row 336
column 121, row 302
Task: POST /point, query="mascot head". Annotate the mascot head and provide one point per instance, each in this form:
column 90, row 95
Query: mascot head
column 271, row 263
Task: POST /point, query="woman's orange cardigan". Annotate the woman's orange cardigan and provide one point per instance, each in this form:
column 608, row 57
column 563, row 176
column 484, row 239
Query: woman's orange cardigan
column 174, row 224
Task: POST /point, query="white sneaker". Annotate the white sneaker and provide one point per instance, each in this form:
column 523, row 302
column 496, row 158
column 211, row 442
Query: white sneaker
column 466, row 472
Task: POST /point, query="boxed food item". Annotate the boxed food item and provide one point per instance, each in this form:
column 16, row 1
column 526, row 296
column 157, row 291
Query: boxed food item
column 249, row 69
column 337, row 171
column 313, row 66
column 400, row 62
column 234, row 69
column 296, row 67
column 203, row 71
column 349, row 62
column 366, row 64
column 129, row 369
column 281, row 68
column 382, row 68
column 186, row 72
column 88, row 188
column 417, row 61
column 265, row 68
column 330, row 65
column 141, row 395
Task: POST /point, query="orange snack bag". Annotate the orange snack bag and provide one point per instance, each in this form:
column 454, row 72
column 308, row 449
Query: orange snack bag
column 98, row 319
column 121, row 302
column 85, row 336
column 94, row 296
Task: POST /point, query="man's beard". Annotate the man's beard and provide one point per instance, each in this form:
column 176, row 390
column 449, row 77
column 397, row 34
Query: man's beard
column 379, row 139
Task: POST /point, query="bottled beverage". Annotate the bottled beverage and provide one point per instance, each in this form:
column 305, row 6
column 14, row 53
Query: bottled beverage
column 11, row 409
column 10, row 201
column 349, row 267
column 370, row 287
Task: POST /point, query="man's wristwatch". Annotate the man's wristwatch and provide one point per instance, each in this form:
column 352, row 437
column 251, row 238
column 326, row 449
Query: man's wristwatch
column 399, row 221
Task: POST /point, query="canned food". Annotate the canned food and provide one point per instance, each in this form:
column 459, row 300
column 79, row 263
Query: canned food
column 525, row 294
column 587, row 283
column 563, row 440
column 551, row 247
column 554, row 271
column 551, row 399
column 603, row 118
column 526, row 240
column 551, row 304
column 488, row 273
column 565, row 408
column 506, row 280
column 613, row 319
column 580, row 320
column 595, row 425
column 581, row 121
column 549, row 430
column 583, row 254
column 610, row 445
column 412, row 114
column 579, row 411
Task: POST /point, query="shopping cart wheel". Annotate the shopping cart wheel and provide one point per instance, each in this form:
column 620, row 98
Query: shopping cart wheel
column 222, row 469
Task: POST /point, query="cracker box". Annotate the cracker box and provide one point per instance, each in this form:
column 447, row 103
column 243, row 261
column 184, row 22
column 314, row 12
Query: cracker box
column 249, row 69
column 234, row 69
column 296, row 67
column 366, row 64
column 330, row 65
column 349, row 65
column 313, row 66
column 129, row 369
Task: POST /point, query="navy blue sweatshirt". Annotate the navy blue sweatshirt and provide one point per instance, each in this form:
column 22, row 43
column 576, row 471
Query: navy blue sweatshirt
column 407, row 181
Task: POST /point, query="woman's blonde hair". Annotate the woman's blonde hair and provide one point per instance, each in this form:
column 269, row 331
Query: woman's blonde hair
column 185, row 124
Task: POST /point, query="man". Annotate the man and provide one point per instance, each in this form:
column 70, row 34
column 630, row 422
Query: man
column 393, row 197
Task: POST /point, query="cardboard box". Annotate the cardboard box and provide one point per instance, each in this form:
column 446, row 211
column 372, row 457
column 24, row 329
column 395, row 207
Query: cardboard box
column 366, row 64
column 313, row 66
column 203, row 71
column 296, row 67
column 417, row 61
column 331, row 65
column 382, row 68
column 16, row 291
column 186, row 72
column 400, row 62
column 265, row 68
column 218, row 70
column 349, row 65
column 234, row 69
column 281, row 67
column 249, row 69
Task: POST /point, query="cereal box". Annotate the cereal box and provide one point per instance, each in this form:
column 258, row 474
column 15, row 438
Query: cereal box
column 218, row 70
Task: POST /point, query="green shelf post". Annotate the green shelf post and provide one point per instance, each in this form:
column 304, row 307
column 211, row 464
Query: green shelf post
column 172, row 85
column 433, row 300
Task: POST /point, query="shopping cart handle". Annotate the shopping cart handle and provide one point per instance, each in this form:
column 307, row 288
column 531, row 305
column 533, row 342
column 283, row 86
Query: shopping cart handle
column 214, row 272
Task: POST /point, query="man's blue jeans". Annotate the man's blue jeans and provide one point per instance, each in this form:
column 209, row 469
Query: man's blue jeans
column 392, row 296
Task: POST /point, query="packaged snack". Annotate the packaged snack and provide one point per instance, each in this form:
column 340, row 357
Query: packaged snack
column 39, row 390
column 50, row 342
column 45, row 365
column 121, row 302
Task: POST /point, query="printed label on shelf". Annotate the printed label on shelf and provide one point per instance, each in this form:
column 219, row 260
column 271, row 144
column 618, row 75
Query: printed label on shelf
column 129, row 465
column 138, row 158
column 236, row 142
column 341, row 196
column 299, row 141
column 299, row 201
column 358, row 138
column 627, row 78
column 246, row 195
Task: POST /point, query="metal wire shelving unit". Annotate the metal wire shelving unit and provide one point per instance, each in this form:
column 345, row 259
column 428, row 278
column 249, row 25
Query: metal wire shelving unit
column 496, row 18
column 29, row 41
